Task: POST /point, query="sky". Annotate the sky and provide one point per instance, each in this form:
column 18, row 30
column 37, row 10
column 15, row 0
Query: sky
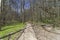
column 26, row 5
column 0, row 1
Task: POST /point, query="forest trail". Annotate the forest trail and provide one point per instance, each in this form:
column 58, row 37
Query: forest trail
column 38, row 33
column 48, row 34
column 28, row 33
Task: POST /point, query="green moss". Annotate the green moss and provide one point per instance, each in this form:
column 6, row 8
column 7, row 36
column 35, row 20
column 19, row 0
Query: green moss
column 11, row 28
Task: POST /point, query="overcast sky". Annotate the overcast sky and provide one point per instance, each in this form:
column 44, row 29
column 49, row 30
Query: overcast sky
column 0, row 1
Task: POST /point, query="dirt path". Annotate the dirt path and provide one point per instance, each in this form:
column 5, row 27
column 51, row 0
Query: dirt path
column 28, row 33
column 37, row 32
column 42, row 34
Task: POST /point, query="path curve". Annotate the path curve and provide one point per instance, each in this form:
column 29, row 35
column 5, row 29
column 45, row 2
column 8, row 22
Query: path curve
column 28, row 33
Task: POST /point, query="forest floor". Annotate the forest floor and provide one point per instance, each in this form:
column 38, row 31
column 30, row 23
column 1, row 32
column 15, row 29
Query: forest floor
column 28, row 33
column 37, row 32
column 8, row 29
column 46, row 33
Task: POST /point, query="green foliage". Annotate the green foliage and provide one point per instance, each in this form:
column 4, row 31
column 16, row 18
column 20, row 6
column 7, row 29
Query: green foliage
column 11, row 28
